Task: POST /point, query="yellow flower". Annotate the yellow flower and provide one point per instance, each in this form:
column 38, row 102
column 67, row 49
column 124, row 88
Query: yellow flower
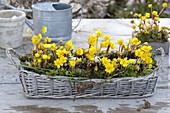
column 143, row 18
column 59, row 53
column 40, row 36
column 60, row 47
column 146, row 48
column 120, row 42
column 149, row 5
column 90, row 57
column 98, row 33
column 37, row 55
column 146, row 43
column 47, row 40
column 109, row 68
column 106, row 37
column 92, row 50
column 131, row 41
column 48, row 57
column 79, row 51
column 125, row 46
column 136, row 41
column 154, row 13
column 150, row 66
column 147, row 32
column 112, row 45
column 79, row 60
column 148, row 60
column 164, row 5
column 147, row 15
column 156, row 27
column 135, row 15
column 40, row 46
column 138, row 52
column 66, row 52
column 40, row 51
column 156, row 18
column 61, row 41
column 53, row 46
column 35, row 40
column 63, row 59
column 105, row 61
column 114, row 60
column 138, row 62
column 96, row 68
column 47, row 46
column 58, row 63
column 45, row 57
column 134, row 27
column 39, row 60
column 124, row 62
column 69, row 45
column 92, row 40
column 118, row 59
column 148, row 27
column 44, row 30
column 131, row 61
column 34, row 62
column 28, row 31
column 72, row 63
column 105, row 44
column 139, row 15
column 129, row 49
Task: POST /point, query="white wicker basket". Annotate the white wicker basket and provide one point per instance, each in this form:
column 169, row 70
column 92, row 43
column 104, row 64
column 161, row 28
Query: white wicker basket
column 41, row 86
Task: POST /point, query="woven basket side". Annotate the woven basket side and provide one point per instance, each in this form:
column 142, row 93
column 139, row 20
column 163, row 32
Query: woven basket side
column 28, row 83
column 40, row 86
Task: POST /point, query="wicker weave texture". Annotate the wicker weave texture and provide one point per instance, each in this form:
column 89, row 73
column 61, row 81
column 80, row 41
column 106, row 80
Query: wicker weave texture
column 41, row 86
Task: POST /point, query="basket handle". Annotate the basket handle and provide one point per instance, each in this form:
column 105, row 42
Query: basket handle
column 10, row 52
column 159, row 62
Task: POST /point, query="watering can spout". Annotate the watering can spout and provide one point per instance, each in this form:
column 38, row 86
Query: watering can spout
column 29, row 24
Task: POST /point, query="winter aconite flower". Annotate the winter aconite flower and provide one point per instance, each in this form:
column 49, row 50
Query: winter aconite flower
column 47, row 40
column 44, row 30
column 164, row 5
column 45, row 57
column 37, row 55
column 69, row 45
column 149, row 5
column 79, row 51
column 92, row 40
column 98, row 33
column 120, row 42
column 154, row 13
column 124, row 62
column 72, row 63
column 109, row 68
column 58, row 63
column 35, row 39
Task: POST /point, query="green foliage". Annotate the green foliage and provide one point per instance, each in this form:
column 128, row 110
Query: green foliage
column 120, row 9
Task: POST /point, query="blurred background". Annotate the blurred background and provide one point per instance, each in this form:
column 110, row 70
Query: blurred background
column 101, row 8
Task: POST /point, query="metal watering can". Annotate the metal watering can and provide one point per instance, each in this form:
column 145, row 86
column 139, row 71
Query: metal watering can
column 56, row 16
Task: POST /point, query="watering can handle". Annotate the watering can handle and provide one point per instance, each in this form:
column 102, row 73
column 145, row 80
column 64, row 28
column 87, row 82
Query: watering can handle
column 81, row 15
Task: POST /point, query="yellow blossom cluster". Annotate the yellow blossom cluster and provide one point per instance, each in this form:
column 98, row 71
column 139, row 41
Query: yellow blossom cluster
column 98, row 59
column 149, row 24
